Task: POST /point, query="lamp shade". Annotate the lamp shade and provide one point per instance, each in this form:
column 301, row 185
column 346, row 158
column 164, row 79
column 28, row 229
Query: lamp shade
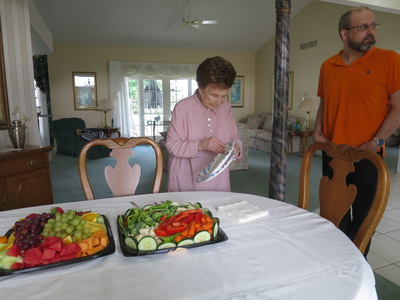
column 104, row 105
column 307, row 103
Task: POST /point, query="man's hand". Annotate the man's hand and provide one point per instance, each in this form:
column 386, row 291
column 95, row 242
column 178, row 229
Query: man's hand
column 211, row 144
column 370, row 145
column 319, row 138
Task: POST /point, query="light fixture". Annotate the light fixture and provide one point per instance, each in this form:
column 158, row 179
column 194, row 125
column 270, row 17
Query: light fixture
column 308, row 104
column 105, row 105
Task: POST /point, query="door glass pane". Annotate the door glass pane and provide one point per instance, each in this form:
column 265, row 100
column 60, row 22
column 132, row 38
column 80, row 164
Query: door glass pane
column 134, row 107
column 153, row 104
column 180, row 89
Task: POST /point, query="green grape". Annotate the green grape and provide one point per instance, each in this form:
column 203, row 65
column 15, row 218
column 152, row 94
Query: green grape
column 47, row 226
column 58, row 217
column 87, row 231
column 70, row 216
column 71, row 211
column 79, row 227
column 76, row 221
column 83, row 222
column 78, row 234
column 52, row 232
column 64, row 226
column 57, row 229
column 70, row 229
column 51, row 221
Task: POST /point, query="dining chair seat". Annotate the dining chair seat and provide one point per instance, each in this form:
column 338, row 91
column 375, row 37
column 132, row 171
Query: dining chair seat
column 336, row 196
column 122, row 179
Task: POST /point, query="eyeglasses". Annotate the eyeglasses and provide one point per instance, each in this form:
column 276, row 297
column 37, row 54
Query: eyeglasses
column 364, row 27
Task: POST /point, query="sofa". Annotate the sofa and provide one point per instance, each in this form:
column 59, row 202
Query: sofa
column 258, row 131
column 71, row 135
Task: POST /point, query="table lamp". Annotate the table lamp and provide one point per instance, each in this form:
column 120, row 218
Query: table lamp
column 105, row 105
column 308, row 104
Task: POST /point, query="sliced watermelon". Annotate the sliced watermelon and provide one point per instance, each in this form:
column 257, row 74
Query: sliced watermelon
column 48, row 253
column 50, row 240
column 57, row 246
column 17, row 266
column 14, row 251
column 68, row 249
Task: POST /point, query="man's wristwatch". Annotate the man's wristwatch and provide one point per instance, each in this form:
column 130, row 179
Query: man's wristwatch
column 379, row 142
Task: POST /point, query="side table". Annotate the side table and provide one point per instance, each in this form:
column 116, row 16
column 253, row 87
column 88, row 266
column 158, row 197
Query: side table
column 303, row 138
column 109, row 131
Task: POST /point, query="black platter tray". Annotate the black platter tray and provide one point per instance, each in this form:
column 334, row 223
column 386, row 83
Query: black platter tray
column 110, row 249
column 126, row 251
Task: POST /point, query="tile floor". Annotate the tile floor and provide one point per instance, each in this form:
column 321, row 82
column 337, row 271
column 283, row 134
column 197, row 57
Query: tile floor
column 384, row 254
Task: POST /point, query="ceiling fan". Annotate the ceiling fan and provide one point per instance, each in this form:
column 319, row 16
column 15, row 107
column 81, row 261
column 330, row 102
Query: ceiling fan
column 191, row 22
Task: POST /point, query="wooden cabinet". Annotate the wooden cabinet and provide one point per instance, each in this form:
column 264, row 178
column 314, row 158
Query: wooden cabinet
column 25, row 178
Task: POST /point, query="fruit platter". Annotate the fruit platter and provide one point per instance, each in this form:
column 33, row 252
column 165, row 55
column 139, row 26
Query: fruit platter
column 165, row 227
column 53, row 239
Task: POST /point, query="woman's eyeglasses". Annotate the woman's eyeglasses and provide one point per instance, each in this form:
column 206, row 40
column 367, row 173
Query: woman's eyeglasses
column 364, row 27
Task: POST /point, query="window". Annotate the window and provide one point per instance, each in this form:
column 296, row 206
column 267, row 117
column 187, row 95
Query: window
column 150, row 101
column 144, row 92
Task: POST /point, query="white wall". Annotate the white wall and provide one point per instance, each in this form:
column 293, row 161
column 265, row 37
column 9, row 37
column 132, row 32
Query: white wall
column 68, row 58
column 317, row 21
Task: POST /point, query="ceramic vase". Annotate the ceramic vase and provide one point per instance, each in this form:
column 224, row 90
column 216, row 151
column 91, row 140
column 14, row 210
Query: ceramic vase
column 17, row 132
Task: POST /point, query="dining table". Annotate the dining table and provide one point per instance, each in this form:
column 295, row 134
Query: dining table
column 287, row 253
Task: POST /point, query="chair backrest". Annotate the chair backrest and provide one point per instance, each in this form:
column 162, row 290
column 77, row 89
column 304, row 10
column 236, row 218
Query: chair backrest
column 122, row 179
column 336, row 197
column 67, row 124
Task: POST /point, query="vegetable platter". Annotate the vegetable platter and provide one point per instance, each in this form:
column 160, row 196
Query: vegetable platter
column 164, row 227
column 52, row 239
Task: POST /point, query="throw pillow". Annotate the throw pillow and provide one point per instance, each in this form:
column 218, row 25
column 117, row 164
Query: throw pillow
column 253, row 122
column 268, row 123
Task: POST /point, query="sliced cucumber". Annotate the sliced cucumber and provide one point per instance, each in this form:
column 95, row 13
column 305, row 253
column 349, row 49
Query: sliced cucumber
column 197, row 205
column 186, row 242
column 202, row 236
column 147, row 207
column 175, row 203
column 167, row 245
column 215, row 228
column 206, row 211
column 130, row 241
column 147, row 243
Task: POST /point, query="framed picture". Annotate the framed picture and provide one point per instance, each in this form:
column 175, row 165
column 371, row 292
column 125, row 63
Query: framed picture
column 236, row 93
column 85, row 91
column 290, row 100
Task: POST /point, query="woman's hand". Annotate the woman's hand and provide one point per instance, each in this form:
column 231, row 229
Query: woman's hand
column 237, row 151
column 211, row 144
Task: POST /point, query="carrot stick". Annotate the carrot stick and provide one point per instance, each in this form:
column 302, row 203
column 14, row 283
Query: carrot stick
column 192, row 229
column 178, row 238
column 206, row 226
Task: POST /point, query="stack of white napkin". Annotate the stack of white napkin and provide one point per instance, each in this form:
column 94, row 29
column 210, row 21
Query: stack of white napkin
column 242, row 211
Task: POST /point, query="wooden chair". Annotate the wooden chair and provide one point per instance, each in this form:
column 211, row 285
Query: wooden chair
column 122, row 179
column 336, row 197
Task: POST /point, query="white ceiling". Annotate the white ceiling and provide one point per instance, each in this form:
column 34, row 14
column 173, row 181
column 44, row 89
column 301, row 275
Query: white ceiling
column 243, row 25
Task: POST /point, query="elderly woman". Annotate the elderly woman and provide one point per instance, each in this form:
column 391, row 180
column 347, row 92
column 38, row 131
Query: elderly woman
column 200, row 127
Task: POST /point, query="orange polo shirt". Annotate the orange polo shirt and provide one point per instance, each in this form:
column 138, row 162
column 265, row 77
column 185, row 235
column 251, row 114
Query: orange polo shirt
column 356, row 96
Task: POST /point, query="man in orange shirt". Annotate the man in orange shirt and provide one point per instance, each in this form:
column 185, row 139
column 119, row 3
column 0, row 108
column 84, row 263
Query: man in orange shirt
column 360, row 103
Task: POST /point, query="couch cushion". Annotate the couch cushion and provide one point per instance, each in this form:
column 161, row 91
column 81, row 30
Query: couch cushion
column 264, row 135
column 268, row 123
column 253, row 122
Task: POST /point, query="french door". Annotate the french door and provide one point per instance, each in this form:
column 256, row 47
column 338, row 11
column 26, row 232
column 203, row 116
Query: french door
column 151, row 102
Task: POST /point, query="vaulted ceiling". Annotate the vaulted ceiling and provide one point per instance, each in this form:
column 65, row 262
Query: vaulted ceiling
column 243, row 25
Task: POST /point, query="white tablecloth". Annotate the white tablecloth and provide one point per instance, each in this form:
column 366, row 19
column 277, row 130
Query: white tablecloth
column 288, row 254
